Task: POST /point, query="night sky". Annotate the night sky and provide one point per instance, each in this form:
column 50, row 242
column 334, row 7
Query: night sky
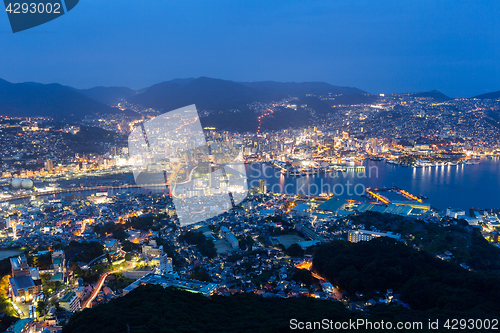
column 378, row 46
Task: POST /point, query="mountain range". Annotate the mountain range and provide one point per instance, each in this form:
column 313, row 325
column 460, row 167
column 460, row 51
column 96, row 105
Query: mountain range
column 436, row 95
column 217, row 94
column 226, row 102
column 108, row 95
column 31, row 99
column 491, row 95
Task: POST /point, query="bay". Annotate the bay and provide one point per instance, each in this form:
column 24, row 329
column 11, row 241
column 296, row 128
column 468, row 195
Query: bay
column 461, row 186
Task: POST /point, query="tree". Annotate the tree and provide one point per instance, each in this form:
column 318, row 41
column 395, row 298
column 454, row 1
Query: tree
column 295, row 250
column 120, row 234
column 302, row 275
column 250, row 242
column 40, row 308
column 128, row 246
column 243, row 244
column 200, row 275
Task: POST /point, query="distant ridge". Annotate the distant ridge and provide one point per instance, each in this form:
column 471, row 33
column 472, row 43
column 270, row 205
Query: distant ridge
column 228, row 101
column 285, row 89
column 206, row 93
column 354, row 99
column 48, row 100
column 108, row 95
column 491, row 95
column 438, row 96
column 218, row 94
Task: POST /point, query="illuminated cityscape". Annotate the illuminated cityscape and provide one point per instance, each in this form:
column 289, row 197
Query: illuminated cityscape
column 191, row 167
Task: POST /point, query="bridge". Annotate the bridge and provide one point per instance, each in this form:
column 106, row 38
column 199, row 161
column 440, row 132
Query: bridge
column 77, row 189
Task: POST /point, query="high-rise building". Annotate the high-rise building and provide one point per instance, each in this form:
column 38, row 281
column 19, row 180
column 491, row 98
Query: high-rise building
column 232, row 240
column 152, row 250
column 165, row 264
column 70, row 302
column 355, row 236
column 19, row 266
column 24, row 288
column 59, row 262
column 49, row 166
column 262, row 186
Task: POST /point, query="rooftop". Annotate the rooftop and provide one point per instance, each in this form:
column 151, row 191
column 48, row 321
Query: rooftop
column 333, row 204
column 68, row 297
column 21, row 324
column 22, row 282
column 168, row 281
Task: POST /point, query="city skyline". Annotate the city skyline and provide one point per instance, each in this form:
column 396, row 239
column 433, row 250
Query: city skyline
column 388, row 47
column 284, row 164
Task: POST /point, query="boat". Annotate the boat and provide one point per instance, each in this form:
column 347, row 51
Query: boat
column 295, row 173
column 473, row 161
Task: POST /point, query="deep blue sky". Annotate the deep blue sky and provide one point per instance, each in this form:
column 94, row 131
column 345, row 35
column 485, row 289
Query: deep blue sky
column 379, row 46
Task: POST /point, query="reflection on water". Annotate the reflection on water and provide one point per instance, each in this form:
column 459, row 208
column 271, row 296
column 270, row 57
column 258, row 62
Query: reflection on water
column 9, row 253
column 458, row 186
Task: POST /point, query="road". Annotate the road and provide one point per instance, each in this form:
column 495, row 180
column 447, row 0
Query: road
column 100, row 257
column 100, row 284
column 308, row 265
column 76, row 189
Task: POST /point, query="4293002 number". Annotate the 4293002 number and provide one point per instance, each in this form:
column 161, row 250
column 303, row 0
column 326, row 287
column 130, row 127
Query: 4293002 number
column 34, row 8
column 471, row 324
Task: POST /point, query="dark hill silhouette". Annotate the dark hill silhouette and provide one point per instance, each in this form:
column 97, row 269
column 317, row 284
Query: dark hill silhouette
column 206, row 93
column 424, row 282
column 228, row 101
column 491, row 95
column 285, row 89
column 108, row 95
column 353, row 99
column 318, row 105
column 47, row 100
column 154, row 309
column 438, row 96
column 217, row 94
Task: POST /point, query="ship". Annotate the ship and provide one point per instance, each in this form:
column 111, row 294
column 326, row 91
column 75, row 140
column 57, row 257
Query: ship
column 295, row 173
column 473, row 161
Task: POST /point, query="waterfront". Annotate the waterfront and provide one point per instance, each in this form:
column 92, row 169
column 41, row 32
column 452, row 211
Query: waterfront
column 9, row 253
column 461, row 186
